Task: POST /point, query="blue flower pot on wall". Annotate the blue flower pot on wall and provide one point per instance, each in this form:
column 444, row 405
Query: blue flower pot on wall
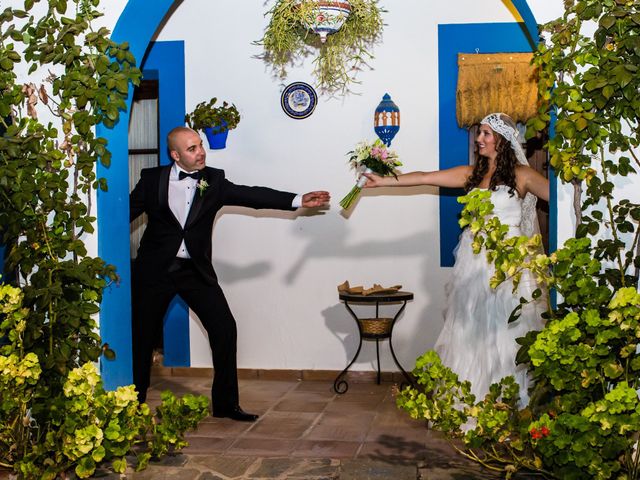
column 217, row 139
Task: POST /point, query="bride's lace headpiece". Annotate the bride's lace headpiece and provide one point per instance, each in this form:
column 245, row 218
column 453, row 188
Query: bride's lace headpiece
column 529, row 223
column 494, row 120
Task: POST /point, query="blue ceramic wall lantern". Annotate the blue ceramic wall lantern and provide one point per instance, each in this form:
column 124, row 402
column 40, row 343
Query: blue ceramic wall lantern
column 386, row 120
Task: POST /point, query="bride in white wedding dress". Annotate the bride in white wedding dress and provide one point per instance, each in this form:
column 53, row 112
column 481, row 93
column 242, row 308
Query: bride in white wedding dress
column 477, row 342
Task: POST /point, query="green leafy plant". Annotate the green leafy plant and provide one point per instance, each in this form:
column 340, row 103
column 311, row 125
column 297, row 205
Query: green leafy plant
column 86, row 425
column 54, row 414
column 207, row 115
column 583, row 416
column 288, row 40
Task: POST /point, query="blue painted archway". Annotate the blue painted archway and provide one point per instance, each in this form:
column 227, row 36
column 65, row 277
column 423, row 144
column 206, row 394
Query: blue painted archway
column 137, row 25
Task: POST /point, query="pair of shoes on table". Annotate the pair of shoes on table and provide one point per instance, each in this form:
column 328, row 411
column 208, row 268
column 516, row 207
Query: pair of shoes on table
column 235, row 413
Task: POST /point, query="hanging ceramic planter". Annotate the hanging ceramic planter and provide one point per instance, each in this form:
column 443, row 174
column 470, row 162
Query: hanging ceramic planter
column 217, row 136
column 329, row 17
column 347, row 32
column 214, row 121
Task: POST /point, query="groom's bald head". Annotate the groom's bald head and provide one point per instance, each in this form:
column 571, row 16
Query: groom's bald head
column 175, row 133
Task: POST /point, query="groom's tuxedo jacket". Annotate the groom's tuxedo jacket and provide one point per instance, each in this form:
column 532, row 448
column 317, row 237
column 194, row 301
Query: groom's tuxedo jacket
column 164, row 234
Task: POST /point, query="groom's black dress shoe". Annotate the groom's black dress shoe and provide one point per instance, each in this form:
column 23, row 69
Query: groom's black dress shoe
column 235, row 413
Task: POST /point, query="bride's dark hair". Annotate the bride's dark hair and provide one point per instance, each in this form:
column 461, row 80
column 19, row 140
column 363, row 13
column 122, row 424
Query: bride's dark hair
column 506, row 161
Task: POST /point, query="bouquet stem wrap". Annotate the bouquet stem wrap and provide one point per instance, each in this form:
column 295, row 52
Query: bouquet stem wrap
column 353, row 195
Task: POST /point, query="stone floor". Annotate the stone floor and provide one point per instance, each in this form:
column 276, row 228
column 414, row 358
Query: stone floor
column 306, row 432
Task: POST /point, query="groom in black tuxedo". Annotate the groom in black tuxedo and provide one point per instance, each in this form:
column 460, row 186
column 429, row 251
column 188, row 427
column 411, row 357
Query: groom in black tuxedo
column 181, row 201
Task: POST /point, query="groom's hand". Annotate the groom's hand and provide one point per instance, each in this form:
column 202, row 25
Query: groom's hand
column 315, row 199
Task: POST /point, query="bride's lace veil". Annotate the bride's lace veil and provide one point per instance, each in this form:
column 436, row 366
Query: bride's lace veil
column 529, row 225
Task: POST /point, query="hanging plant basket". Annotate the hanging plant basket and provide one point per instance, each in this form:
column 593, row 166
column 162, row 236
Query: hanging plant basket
column 217, row 136
column 214, row 121
column 338, row 34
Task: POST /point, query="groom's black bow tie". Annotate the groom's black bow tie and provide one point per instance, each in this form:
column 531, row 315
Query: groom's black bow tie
column 197, row 175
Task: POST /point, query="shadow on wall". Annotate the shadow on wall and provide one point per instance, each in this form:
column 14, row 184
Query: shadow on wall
column 343, row 327
column 232, row 273
column 327, row 238
column 321, row 246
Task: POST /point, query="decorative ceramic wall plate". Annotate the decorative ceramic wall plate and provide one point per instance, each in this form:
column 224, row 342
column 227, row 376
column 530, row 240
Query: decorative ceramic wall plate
column 298, row 100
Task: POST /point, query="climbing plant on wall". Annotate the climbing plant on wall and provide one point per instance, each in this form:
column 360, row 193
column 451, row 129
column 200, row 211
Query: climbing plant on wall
column 59, row 78
column 584, row 413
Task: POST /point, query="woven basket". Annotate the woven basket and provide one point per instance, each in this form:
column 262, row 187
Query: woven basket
column 375, row 326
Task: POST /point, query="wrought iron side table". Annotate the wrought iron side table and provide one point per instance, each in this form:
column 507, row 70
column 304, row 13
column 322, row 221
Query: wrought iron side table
column 376, row 328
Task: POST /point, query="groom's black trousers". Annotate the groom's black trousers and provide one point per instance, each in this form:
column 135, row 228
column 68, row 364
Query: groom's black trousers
column 150, row 301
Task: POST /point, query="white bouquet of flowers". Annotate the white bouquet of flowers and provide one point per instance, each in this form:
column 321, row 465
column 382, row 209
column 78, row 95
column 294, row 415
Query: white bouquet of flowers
column 369, row 158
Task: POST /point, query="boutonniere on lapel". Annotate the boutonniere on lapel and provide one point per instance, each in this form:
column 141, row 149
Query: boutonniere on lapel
column 202, row 185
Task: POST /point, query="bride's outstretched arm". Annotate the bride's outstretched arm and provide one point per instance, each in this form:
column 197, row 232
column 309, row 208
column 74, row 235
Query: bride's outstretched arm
column 454, row 177
column 533, row 182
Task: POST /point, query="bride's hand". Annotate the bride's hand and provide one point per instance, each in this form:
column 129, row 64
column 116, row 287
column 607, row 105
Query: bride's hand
column 373, row 180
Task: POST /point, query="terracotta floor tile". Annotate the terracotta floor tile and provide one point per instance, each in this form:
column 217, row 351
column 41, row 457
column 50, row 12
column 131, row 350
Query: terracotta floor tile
column 341, row 427
column 354, row 433
column 397, row 418
column 360, row 419
column 285, row 425
column 392, row 435
column 308, row 419
column 265, row 447
column 404, row 453
column 184, row 384
column 313, row 395
column 221, row 427
column 326, row 448
column 260, row 396
column 367, row 387
column 355, row 403
column 257, row 406
column 205, row 445
column 315, row 386
column 266, row 385
column 288, row 405
column 304, row 401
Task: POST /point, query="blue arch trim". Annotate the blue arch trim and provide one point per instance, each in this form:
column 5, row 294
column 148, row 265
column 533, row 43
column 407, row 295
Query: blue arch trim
column 137, row 25
column 165, row 62
column 530, row 23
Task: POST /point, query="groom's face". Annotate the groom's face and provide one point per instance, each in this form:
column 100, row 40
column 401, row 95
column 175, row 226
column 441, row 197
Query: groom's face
column 188, row 152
